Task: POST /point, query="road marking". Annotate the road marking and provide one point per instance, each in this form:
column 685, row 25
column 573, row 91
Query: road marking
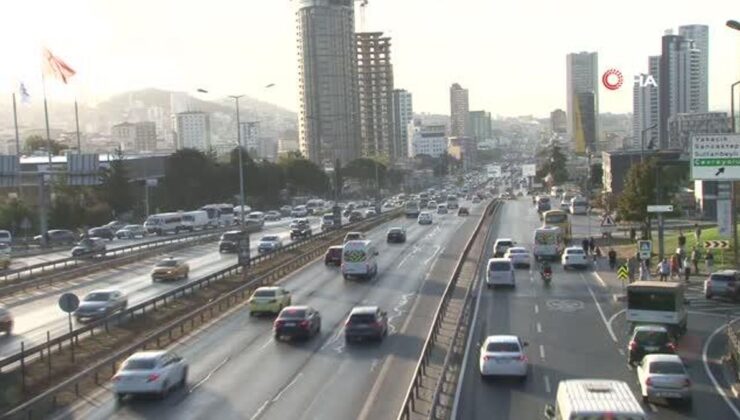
column 547, row 384
column 262, row 347
column 598, row 277
column 611, row 320
column 716, row 384
column 542, row 352
column 539, row 327
column 207, row 377
column 260, row 410
column 536, row 308
column 601, row 311
column 437, row 248
column 621, row 352
column 713, row 314
column 282, row 391
column 653, row 408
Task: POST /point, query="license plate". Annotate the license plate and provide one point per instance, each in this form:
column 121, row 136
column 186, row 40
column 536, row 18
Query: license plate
column 651, row 348
column 290, row 324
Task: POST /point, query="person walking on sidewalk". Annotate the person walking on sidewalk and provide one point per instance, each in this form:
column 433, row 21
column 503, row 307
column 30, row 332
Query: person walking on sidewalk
column 681, row 239
column 591, row 244
column 709, row 260
column 695, row 257
column 675, row 266
column 697, row 233
column 686, row 270
column 664, row 269
column 644, row 270
column 584, row 245
column 612, row 254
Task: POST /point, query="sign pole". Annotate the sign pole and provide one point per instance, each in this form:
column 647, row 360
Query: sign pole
column 71, row 337
column 661, row 250
column 733, row 220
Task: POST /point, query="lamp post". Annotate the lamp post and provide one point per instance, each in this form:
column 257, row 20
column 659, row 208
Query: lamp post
column 642, row 141
column 733, row 24
column 241, row 163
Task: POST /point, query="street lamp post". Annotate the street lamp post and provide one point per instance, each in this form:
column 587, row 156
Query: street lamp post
column 241, row 163
column 733, row 24
column 642, row 141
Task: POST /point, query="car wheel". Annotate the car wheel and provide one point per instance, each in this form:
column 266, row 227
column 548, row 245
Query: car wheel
column 165, row 390
column 120, row 397
column 184, row 379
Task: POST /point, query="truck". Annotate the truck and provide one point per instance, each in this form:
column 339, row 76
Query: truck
column 657, row 303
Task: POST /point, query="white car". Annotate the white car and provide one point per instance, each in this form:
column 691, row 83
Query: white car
column 664, row 376
column 150, row 372
column 500, row 273
column 503, row 355
column 299, row 211
column 425, row 218
column 519, row 256
column 574, row 256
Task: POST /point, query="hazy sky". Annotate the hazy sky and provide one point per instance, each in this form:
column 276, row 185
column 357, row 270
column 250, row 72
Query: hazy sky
column 509, row 53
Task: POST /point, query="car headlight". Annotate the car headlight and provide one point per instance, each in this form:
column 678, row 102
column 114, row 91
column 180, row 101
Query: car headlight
column 101, row 309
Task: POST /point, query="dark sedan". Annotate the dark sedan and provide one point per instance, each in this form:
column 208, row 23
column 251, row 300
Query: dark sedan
column 333, row 255
column 102, row 232
column 396, row 235
column 101, row 303
column 297, row 322
column 366, row 323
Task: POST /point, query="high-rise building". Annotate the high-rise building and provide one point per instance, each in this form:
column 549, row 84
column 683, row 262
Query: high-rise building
column 679, row 83
column 250, row 133
column 146, row 136
column 682, row 126
column 645, row 107
column 464, row 150
column 480, row 126
column 558, row 121
column 459, row 118
column 582, row 77
column 427, row 139
column 329, row 115
column 124, row 135
column 375, row 93
column 700, row 35
column 193, row 130
column 403, row 114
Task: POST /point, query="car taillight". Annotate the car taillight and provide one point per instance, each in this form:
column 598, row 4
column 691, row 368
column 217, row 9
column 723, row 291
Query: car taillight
column 278, row 324
column 672, row 346
column 633, row 345
column 304, row 323
column 487, row 358
column 649, row 382
column 152, row 377
column 522, row 358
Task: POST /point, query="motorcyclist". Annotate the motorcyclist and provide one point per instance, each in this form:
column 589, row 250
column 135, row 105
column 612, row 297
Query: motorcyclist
column 546, row 269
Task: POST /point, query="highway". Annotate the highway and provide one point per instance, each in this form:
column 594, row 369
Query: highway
column 37, row 312
column 237, row 370
column 575, row 329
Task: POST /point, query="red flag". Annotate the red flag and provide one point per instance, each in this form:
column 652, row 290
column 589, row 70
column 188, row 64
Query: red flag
column 56, row 67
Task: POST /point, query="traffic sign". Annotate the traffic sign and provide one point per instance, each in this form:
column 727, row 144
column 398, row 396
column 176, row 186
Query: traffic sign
column 69, row 302
column 622, row 272
column 607, row 224
column 645, row 248
column 716, row 244
column 715, row 157
column 658, row 208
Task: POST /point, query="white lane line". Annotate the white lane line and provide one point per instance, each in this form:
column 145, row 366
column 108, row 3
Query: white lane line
column 207, row 377
column 653, row 408
column 536, row 308
column 282, row 391
column 598, row 277
column 539, row 327
column 705, row 361
column 437, row 248
column 621, row 351
column 712, row 314
column 613, row 317
column 542, row 352
column 601, row 311
column 547, row 384
column 260, row 410
column 262, row 347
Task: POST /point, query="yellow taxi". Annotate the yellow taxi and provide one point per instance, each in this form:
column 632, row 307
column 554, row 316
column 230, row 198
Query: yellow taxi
column 269, row 300
column 170, row 269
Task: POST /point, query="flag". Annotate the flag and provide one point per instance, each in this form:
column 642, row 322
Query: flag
column 56, row 67
column 25, row 97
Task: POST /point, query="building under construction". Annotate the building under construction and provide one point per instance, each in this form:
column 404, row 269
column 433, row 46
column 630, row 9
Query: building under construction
column 375, row 92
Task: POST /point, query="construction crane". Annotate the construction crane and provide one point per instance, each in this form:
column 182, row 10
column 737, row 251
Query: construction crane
column 363, row 4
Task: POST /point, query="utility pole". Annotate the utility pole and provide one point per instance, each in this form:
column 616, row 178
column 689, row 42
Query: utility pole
column 241, row 163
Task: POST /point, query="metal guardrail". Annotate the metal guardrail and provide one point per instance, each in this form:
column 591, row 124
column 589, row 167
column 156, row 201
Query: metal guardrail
column 31, row 408
column 29, row 271
column 420, row 371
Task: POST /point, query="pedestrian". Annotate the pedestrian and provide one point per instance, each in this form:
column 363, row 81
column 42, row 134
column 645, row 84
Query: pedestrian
column 644, row 271
column 709, row 260
column 695, row 256
column 675, row 266
column 584, row 245
column 697, row 232
column 632, row 266
column 681, row 257
column 612, row 258
column 591, row 244
column 686, row 270
column 681, row 239
column 633, row 234
column 664, row 269
column 597, row 252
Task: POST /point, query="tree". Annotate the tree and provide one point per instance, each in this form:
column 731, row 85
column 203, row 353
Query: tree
column 303, row 176
column 191, row 180
column 639, row 191
column 365, row 170
column 116, row 188
column 12, row 215
column 552, row 161
column 36, row 142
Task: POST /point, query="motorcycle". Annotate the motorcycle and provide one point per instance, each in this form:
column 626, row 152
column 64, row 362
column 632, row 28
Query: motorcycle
column 546, row 276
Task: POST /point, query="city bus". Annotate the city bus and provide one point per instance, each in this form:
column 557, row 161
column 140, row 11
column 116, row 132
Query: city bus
column 656, row 302
column 558, row 218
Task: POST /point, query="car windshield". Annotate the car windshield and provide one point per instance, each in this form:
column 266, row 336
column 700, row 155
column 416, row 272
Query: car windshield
column 139, row 364
column 395, row 230
column 499, row 266
column 503, row 347
column 167, row 263
column 362, row 319
column 293, row 314
column 97, row 297
column 667, row 368
column 264, row 293
column 503, row 243
column 723, row 278
column 271, row 238
column 651, row 337
column 575, row 251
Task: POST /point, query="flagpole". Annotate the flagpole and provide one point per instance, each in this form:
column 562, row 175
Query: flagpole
column 46, row 119
column 17, row 146
column 43, row 222
column 77, row 124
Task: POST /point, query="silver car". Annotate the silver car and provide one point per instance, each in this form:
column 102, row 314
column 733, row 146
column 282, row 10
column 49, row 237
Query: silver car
column 150, row 372
column 664, row 376
column 131, row 232
column 725, row 283
column 100, row 304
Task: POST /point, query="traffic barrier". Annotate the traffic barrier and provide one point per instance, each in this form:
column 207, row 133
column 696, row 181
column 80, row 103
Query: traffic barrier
column 38, row 406
column 413, row 391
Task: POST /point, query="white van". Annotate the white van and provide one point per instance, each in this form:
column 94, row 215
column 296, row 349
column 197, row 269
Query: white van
column 6, row 237
column 500, row 273
column 594, row 399
column 256, row 218
column 224, row 213
column 195, row 220
column 163, row 223
column 548, row 243
column 359, row 259
column 578, row 205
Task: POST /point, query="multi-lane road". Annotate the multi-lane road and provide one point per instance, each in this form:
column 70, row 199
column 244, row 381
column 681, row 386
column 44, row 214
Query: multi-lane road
column 237, row 370
column 37, row 312
column 575, row 329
